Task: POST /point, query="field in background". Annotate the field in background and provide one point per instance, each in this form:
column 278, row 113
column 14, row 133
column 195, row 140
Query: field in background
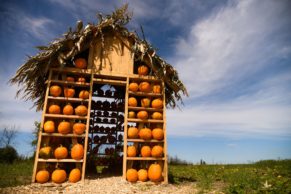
column 262, row 177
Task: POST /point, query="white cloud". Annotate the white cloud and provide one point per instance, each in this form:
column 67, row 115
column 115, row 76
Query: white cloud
column 228, row 47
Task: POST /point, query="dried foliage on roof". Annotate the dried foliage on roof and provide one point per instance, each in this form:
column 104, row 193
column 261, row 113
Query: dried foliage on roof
column 31, row 76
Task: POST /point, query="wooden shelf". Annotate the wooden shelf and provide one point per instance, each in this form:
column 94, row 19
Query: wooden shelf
column 145, row 141
column 109, row 81
column 144, row 94
column 60, row 160
column 147, row 78
column 67, row 99
column 65, row 116
column 62, row 135
column 146, row 109
column 61, row 82
column 73, row 70
column 145, row 121
column 144, row 158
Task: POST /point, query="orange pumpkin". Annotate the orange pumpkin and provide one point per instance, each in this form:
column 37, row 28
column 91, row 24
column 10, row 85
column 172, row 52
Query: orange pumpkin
column 77, row 152
column 131, row 175
column 155, row 172
column 158, row 133
column 80, row 63
column 142, row 175
column 133, row 87
column 54, row 109
column 81, row 110
column 42, row 176
column 131, row 151
column 69, row 92
column 70, row 79
column 68, row 109
column 55, row 90
column 145, row 133
column 64, row 127
column 132, row 102
column 145, row 151
column 156, row 89
column 81, row 80
column 157, row 151
column 157, row 116
column 132, row 132
column 157, row 103
column 79, row 128
column 75, row 175
column 49, row 126
column 61, row 152
column 84, row 94
column 142, row 115
column 145, row 87
column 131, row 114
column 45, row 152
column 59, row 176
column 143, row 70
column 145, row 102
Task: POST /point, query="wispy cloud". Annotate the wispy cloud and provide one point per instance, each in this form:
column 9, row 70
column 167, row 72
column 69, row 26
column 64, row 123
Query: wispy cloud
column 232, row 50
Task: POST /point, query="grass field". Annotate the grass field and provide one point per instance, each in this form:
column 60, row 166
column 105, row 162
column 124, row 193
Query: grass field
column 262, row 177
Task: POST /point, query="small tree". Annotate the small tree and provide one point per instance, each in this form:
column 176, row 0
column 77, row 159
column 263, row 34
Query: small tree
column 7, row 136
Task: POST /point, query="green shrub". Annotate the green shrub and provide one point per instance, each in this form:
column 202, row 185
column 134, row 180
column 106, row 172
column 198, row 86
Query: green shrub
column 8, row 154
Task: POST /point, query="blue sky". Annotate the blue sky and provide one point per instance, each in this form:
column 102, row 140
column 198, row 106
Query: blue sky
column 233, row 56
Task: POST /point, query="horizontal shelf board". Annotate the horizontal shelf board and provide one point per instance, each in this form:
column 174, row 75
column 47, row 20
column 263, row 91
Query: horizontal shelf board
column 67, row 99
column 144, row 94
column 145, row 121
column 70, row 83
column 62, row 135
column 109, row 81
column 56, row 160
column 141, row 140
column 65, row 116
column 144, row 78
column 73, row 70
column 143, row 108
column 144, row 158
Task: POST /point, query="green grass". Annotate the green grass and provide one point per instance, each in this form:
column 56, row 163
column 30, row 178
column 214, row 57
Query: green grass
column 261, row 177
column 18, row 173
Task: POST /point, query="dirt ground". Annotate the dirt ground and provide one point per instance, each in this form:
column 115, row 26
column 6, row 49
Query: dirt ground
column 112, row 185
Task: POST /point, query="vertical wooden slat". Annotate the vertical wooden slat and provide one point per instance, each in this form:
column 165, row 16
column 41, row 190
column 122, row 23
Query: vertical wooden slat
column 40, row 130
column 87, row 129
column 124, row 166
column 165, row 136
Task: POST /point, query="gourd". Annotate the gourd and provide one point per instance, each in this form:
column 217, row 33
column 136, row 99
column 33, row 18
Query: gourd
column 45, row 152
column 69, row 92
column 81, row 110
column 131, row 151
column 132, row 102
column 158, row 133
column 157, row 103
column 84, row 94
column 79, row 128
column 155, row 172
column 59, row 176
column 143, row 70
column 142, row 175
column 75, row 175
column 142, row 115
column 157, row 116
column 49, row 126
column 68, row 109
column 80, row 63
column 42, row 176
column 133, row 87
column 54, row 109
column 145, row 151
column 156, row 89
column 61, row 152
column 157, row 151
column 131, row 114
column 145, row 87
column 55, row 90
column 145, row 133
column 77, row 152
column 131, row 175
column 132, row 132
column 64, row 127
column 145, row 102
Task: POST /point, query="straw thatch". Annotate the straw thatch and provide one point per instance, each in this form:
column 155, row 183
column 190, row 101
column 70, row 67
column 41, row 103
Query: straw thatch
column 31, row 76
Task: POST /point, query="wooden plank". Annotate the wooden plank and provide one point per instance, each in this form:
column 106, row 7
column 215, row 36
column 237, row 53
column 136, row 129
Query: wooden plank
column 87, row 129
column 145, row 141
column 145, row 121
column 124, row 165
column 58, row 160
column 144, row 158
column 110, row 82
column 73, row 70
column 59, row 116
column 165, row 170
column 40, row 132
column 153, row 95
column 61, row 82
column 68, row 99
column 146, row 109
column 62, row 135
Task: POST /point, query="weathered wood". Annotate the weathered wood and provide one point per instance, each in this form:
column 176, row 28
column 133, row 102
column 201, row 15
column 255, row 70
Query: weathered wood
column 124, row 165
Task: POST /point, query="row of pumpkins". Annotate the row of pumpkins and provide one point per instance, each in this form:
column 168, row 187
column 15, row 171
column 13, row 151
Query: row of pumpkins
column 64, row 127
column 154, row 173
column 58, row 176
column 146, row 151
column 56, row 91
column 145, row 133
column 61, row 152
column 145, row 87
column 68, row 109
